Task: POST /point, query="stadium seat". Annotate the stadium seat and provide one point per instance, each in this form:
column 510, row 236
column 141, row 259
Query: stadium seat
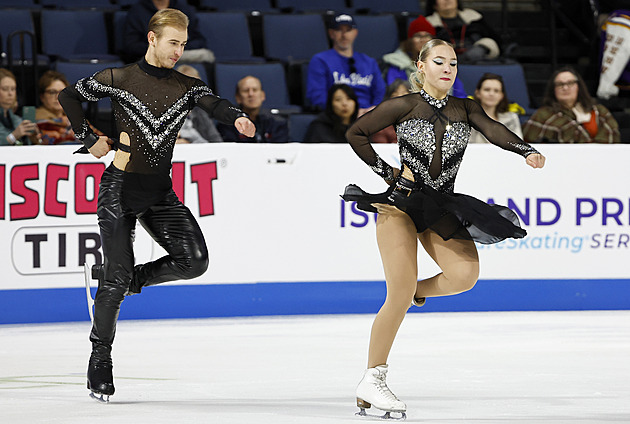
column 376, row 43
column 227, row 35
column 12, row 20
column 513, row 78
column 312, row 6
column 77, row 4
column 271, row 75
column 298, row 124
column 117, row 25
column 21, row 4
column 75, row 35
column 237, row 5
column 293, row 37
column 388, row 6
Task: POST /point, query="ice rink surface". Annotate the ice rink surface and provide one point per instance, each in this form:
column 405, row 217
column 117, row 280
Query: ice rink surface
column 497, row 367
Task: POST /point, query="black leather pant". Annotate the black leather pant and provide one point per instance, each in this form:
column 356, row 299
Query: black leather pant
column 171, row 225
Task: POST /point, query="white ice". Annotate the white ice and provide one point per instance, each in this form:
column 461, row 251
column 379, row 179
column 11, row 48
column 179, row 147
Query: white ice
column 513, row 367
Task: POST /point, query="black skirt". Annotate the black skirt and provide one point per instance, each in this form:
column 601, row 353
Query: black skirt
column 452, row 216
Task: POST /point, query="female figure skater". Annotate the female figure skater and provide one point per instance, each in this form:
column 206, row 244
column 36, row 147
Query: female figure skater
column 433, row 131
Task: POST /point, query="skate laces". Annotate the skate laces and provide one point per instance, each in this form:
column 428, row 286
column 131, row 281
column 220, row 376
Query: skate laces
column 382, row 387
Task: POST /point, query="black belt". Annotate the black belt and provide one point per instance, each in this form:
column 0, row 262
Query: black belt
column 117, row 145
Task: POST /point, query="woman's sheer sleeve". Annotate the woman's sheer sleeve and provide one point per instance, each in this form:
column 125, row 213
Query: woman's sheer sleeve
column 88, row 89
column 496, row 132
column 220, row 109
column 385, row 114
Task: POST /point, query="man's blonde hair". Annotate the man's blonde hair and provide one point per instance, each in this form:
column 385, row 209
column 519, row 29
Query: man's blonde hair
column 168, row 18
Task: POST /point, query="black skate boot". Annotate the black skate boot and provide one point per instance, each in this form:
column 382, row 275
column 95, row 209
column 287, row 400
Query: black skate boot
column 100, row 379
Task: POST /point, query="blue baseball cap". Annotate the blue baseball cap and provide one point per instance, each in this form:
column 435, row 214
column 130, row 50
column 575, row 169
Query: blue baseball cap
column 343, row 19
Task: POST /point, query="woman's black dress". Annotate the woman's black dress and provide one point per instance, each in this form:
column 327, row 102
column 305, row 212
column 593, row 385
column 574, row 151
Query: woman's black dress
column 432, row 137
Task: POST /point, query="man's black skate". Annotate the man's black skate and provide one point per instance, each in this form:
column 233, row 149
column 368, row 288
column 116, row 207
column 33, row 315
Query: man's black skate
column 100, row 380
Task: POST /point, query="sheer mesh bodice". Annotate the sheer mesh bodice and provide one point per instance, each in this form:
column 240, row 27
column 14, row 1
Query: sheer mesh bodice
column 150, row 104
column 432, row 136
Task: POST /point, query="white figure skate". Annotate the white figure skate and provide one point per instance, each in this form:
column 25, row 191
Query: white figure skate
column 373, row 391
column 87, row 274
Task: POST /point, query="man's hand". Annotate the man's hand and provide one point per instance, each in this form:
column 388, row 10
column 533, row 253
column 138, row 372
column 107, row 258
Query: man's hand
column 245, row 126
column 101, row 147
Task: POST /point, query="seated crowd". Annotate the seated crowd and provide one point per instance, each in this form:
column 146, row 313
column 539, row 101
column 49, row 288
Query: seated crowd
column 342, row 84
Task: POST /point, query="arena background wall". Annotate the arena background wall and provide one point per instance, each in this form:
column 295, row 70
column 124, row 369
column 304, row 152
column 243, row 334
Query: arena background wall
column 282, row 242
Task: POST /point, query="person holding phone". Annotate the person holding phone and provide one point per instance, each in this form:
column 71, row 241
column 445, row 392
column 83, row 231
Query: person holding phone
column 14, row 130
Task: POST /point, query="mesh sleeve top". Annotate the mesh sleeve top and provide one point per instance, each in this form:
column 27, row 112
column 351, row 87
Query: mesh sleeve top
column 432, row 136
column 150, row 104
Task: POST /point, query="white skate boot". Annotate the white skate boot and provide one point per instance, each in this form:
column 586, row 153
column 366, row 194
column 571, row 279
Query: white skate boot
column 373, row 391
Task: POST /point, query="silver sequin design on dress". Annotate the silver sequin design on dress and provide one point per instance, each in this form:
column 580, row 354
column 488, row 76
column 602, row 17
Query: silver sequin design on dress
column 417, row 144
column 155, row 130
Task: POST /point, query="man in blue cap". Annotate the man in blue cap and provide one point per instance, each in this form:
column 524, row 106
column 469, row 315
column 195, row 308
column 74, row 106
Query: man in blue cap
column 342, row 65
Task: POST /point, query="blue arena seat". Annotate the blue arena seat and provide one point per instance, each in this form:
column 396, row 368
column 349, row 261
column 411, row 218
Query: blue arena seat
column 271, row 75
column 117, row 25
column 513, row 78
column 376, row 43
column 75, row 35
column 388, row 6
column 298, row 124
column 12, row 20
column 312, row 5
column 19, row 4
column 77, row 4
column 237, row 5
column 227, row 35
column 294, row 37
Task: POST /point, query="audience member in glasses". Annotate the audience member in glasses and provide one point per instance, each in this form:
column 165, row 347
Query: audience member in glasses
column 490, row 94
column 199, row 126
column 570, row 115
column 342, row 65
column 473, row 38
column 341, row 111
column 269, row 128
column 402, row 62
column 51, row 119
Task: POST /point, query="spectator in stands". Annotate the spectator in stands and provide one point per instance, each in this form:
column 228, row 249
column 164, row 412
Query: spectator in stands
column 13, row 129
column 198, row 126
column 399, row 87
column 570, row 115
column 615, row 54
column 342, row 65
column 269, row 128
column 491, row 95
column 342, row 109
column 465, row 28
column 135, row 41
column 402, row 62
column 51, row 118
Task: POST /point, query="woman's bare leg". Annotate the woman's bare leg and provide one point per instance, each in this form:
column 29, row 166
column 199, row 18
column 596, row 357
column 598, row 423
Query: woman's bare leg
column 458, row 261
column 398, row 245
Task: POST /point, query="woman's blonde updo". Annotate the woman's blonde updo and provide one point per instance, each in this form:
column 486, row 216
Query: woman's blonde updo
column 417, row 78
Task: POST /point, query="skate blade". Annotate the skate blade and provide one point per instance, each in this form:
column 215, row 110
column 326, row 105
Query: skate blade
column 87, row 273
column 99, row 397
column 400, row 416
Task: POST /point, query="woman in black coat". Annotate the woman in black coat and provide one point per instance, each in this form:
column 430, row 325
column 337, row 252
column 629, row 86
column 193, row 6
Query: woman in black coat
column 341, row 111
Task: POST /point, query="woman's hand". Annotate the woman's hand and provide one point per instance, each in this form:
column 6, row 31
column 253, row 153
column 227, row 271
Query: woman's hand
column 245, row 126
column 25, row 127
column 535, row 160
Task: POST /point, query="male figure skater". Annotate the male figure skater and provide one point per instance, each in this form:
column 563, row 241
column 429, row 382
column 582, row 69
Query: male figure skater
column 150, row 101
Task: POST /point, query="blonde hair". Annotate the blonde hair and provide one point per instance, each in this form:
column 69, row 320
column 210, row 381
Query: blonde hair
column 5, row 73
column 417, row 78
column 168, row 18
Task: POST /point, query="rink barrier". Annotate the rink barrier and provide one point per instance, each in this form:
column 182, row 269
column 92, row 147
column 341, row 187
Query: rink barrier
column 304, row 298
